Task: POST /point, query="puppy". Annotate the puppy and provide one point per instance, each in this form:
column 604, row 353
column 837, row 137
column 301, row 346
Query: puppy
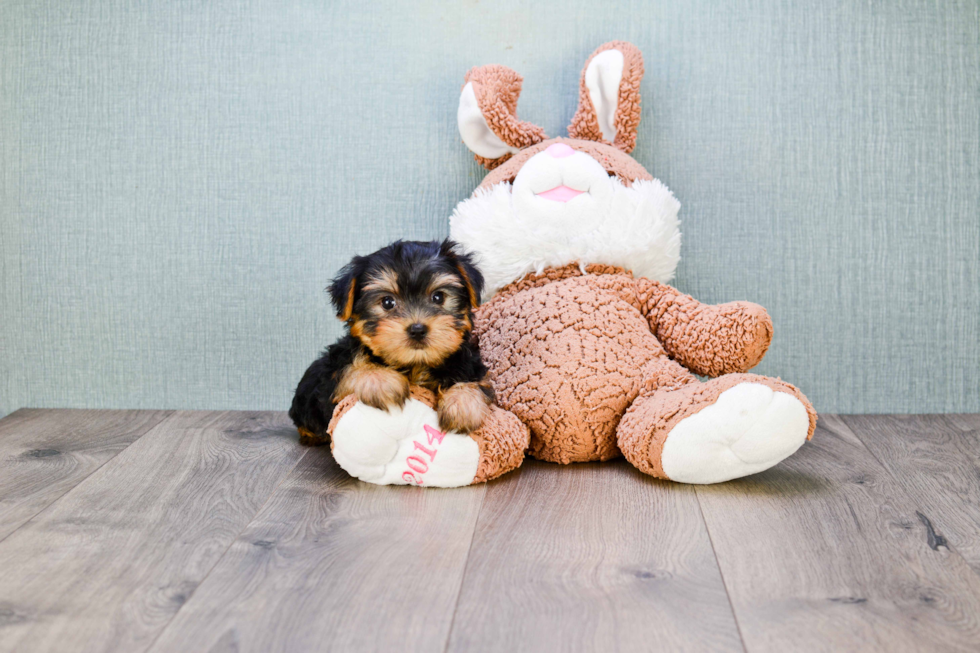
column 408, row 310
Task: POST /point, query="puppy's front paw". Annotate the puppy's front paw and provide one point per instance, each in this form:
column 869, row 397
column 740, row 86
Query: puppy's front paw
column 463, row 408
column 381, row 388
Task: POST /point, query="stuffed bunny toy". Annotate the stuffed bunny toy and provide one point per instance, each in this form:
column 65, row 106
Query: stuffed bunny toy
column 585, row 342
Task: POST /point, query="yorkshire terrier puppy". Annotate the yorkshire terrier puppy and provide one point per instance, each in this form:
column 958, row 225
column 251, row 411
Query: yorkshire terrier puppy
column 408, row 309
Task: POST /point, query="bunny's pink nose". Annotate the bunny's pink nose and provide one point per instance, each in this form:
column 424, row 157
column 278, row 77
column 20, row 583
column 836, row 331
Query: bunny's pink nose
column 559, row 150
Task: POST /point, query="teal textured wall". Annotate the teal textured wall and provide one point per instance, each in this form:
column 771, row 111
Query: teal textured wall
column 179, row 180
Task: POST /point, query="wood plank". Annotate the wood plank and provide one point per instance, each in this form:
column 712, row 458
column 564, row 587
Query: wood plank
column 45, row 453
column 108, row 565
column 591, row 557
column 825, row 552
column 331, row 563
column 936, row 459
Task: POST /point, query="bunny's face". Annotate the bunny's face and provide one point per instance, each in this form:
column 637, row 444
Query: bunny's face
column 547, row 203
column 559, row 181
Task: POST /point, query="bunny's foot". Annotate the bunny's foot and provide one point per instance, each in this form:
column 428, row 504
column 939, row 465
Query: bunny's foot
column 729, row 427
column 406, row 447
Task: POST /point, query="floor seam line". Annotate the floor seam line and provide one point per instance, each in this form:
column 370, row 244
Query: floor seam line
column 87, row 476
column 724, row 582
column 466, row 567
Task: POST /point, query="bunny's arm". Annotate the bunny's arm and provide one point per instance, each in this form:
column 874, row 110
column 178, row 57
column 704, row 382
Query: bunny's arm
column 709, row 340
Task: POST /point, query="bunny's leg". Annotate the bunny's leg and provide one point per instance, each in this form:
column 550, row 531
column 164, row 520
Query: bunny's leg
column 725, row 428
column 407, row 447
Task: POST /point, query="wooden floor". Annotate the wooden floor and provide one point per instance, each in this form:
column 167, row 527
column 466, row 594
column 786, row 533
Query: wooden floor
column 216, row 531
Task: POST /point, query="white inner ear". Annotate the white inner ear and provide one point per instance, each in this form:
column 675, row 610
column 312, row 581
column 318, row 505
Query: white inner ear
column 474, row 129
column 602, row 78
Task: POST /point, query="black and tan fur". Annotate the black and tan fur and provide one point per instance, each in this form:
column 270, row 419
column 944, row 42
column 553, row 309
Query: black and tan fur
column 429, row 288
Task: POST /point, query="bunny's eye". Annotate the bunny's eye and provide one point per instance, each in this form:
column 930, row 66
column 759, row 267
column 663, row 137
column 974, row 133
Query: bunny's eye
column 387, row 303
column 438, row 297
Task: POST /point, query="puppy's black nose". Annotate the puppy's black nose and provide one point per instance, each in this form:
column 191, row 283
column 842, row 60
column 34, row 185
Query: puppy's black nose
column 418, row 331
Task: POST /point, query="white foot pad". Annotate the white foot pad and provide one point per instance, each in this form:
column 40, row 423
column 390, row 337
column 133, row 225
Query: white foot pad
column 403, row 447
column 748, row 429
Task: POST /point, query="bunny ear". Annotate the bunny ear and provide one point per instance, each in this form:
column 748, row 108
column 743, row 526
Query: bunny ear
column 487, row 115
column 609, row 96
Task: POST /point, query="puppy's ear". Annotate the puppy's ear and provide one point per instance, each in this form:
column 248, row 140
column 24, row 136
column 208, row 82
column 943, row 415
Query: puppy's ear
column 470, row 274
column 344, row 287
column 609, row 96
column 487, row 116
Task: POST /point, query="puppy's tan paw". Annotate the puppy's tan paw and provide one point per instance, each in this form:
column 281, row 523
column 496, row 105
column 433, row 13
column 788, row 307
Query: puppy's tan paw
column 381, row 388
column 463, row 408
column 308, row 438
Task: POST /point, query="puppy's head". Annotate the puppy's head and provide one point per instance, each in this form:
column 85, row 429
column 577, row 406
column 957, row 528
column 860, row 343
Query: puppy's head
column 410, row 303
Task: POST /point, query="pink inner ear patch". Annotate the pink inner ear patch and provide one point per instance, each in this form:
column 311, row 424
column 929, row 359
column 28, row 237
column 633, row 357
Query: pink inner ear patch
column 560, row 193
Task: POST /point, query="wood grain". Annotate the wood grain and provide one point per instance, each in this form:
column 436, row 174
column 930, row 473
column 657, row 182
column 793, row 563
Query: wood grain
column 108, row 565
column 936, row 460
column 332, row 563
column 216, row 531
column 591, row 557
column 45, row 453
column 826, row 552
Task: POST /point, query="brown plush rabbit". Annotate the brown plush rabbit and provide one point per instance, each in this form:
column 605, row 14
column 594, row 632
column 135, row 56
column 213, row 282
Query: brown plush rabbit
column 585, row 342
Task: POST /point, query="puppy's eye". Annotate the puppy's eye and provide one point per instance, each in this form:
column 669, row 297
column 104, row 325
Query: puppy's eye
column 438, row 297
column 387, row 303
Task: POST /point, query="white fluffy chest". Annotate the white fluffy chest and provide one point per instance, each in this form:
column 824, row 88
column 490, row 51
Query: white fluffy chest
column 513, row 231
